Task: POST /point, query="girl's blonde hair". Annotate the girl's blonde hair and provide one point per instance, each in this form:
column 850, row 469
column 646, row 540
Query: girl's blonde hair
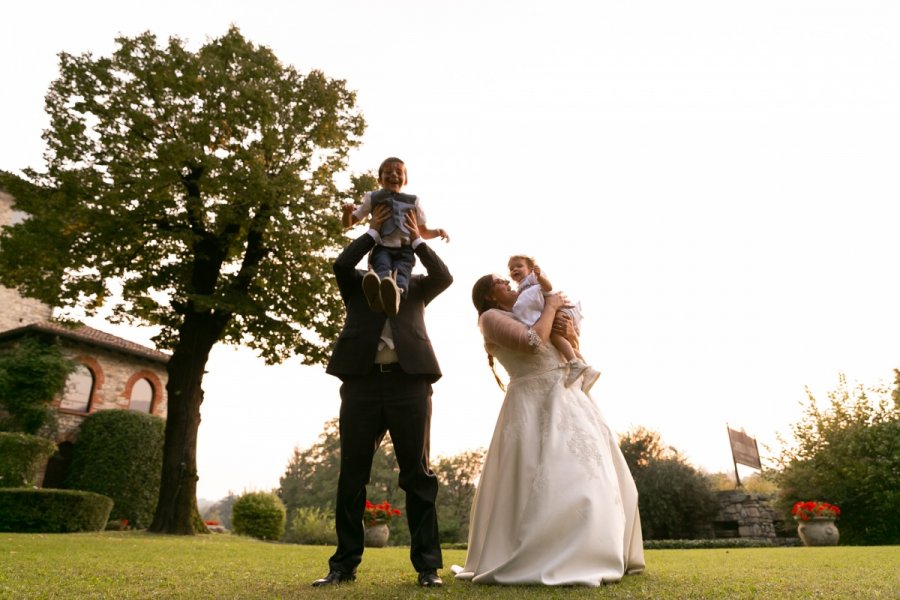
column 528, row 259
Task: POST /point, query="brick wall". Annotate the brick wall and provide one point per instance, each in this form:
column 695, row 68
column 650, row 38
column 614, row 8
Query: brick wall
column 114, row 377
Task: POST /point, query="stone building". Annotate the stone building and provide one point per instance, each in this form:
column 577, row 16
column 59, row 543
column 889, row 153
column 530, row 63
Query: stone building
column 111, row 372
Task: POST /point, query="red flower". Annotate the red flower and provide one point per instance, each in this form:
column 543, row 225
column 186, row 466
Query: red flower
column 379, row 513
column 804, row 511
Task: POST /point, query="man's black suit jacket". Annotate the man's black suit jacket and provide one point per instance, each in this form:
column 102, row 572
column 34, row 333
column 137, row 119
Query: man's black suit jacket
column 354, row 351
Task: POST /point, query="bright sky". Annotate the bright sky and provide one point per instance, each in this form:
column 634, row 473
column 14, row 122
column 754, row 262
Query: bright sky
column 715, row 181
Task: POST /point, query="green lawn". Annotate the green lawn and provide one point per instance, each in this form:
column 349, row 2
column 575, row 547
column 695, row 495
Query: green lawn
column 139, row 565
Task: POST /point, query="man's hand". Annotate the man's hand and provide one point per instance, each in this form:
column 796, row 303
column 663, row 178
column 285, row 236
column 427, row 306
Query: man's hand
column 381, row 214
column 412, row 224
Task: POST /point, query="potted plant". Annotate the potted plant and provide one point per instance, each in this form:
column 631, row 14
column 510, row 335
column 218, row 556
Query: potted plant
column 815, row 522
column 376, row 519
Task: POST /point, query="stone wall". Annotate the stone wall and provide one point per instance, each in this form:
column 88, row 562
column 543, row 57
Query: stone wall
column 16, row 311
column 745, row 515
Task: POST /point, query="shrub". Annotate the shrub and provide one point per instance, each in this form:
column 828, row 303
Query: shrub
column 312, row 526
column 848, row 453
column 119, row 454
column 675, row 500
column 21, row 458
column 260, row 515
column 27, row 510
column 32, row 373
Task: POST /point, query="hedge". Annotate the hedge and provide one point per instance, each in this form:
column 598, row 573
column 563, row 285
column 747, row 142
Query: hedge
column 29, row 510
column 21, row 458
column 119, row 454
column 260, row 515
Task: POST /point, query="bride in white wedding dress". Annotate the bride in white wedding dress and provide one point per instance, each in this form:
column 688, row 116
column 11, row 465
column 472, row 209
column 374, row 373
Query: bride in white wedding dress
column 556, row 504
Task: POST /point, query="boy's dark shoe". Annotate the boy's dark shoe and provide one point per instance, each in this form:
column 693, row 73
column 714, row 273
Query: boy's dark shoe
column 390, row 297
column 430, row 579
column 371, row 285
column 334, row 577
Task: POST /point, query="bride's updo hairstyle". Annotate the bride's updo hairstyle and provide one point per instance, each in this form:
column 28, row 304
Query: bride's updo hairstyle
column 480, row 292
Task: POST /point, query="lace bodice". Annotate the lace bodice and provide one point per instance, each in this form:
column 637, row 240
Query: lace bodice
column 516, row 346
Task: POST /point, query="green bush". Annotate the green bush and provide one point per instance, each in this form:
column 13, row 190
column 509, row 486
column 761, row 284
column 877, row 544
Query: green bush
column 28, row 510
column 847, row 453
column 32, row 373
column 260, row 515
column 676, row 501
column 21, row 458
column 119, row 454
column 312, row 526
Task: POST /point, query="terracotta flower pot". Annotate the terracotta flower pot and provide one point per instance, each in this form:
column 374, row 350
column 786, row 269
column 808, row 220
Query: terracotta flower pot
column 377, row 535
column 818, row 531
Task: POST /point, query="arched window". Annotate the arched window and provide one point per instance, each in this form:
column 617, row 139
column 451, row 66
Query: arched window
column 141, row 396
column 79, row 390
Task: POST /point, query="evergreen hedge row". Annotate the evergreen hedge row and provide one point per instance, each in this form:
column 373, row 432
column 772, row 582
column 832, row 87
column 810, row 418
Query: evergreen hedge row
column 29, row 510
column 119, row 454
column 21, row 458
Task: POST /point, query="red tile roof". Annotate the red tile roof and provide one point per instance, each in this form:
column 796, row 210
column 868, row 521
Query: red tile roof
column 88, row 335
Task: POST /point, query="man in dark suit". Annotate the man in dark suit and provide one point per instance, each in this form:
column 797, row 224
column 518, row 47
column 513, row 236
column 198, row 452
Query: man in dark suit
column 387, row 366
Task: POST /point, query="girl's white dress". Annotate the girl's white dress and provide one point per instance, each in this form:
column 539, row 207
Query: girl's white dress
column 530, row 303
column 555, row 504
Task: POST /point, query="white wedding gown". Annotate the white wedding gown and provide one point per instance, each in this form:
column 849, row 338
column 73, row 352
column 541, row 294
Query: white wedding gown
column 556, row 503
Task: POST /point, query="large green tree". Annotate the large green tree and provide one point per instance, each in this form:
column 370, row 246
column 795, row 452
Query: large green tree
column 310, row 481
column 198, row 187
column 846, row 451
column 311, row 477
column 459, row 477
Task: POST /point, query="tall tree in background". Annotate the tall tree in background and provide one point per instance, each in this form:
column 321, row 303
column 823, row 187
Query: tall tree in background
column 311, row 478
column 459, row 477
column 199, row 188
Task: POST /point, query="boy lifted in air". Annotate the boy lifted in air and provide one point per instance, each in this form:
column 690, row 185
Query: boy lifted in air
column 392, row 259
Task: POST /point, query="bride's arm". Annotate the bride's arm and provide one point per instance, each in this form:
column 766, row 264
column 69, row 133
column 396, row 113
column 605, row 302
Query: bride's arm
column 501, row 329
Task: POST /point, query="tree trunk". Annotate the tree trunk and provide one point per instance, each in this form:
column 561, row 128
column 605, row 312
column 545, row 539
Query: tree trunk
column 176, row 510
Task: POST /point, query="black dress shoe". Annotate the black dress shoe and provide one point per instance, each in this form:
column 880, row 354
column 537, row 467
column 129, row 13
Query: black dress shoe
column 334, row 577
column 430, row 579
